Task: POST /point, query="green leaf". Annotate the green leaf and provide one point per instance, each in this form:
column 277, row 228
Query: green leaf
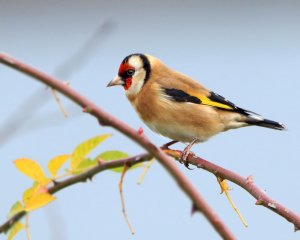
column 56, row 163
column 16, row 208
column 112, row 155
column 85, row 164
column 84, row 148
column 17, row 227
column 115, row 155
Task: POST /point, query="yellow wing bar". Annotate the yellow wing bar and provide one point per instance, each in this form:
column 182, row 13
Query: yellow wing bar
column 213, row 100
column 207, row 101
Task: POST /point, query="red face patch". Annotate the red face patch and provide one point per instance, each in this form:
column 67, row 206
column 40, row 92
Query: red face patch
column 128, row 83
column 124, row 73
column 123, row 68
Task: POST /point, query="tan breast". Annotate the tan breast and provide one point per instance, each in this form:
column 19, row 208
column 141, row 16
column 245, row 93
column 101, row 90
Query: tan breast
column 178, row 121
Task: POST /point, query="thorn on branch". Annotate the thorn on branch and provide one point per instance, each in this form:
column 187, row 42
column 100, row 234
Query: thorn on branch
column 296, row 228
column 140, row 131
column 54, row 182
column 90, row 178
column 87, row 110
column 100, row 161
column 249, row 179
column 272, row 205
column 67, row 83
column 199, row 165
column 194, row 209
column 102, row 122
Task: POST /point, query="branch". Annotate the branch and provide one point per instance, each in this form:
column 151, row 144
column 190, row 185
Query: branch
column 107, row 119
column 87, row 175
column 246, row 183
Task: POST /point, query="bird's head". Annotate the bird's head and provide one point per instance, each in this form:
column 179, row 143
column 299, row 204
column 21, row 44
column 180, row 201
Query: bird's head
column 134, row 72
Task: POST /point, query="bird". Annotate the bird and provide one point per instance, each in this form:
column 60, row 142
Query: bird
column 178, row 107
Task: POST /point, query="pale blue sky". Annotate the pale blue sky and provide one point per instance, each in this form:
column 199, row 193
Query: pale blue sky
column 248, row 52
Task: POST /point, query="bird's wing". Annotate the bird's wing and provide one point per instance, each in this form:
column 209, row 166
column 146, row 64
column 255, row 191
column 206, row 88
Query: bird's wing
column 212, row 99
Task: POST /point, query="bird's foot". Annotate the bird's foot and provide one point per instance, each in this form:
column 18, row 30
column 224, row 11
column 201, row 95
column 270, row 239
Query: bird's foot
column 186, row 152
column 184, row 158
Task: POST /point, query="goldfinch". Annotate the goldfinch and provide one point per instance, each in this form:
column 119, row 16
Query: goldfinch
column 178, row 107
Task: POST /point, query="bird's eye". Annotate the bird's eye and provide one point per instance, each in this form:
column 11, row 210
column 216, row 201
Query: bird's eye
column 130, row 72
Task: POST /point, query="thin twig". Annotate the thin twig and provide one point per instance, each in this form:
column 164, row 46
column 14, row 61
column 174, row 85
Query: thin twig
column 27, row 228
column 225, row 189
column 122, row 199
column 146, row 169
column 57, row 99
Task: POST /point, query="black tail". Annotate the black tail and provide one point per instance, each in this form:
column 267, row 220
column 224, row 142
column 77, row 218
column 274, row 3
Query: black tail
column 259, row 121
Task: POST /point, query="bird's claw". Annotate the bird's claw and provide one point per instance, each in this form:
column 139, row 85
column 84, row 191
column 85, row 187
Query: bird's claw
column 184, row 157
column 186, row 152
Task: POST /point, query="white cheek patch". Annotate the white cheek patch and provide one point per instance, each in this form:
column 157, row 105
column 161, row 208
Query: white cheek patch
column 137, row 83
column 138, row 77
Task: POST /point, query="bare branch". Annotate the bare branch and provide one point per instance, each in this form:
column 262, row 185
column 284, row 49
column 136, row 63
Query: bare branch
column 246, row 183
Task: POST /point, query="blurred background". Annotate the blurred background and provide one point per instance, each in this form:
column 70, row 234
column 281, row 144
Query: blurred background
column 247, row 51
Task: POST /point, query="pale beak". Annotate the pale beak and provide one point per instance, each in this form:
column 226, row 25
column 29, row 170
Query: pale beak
column 116, row 81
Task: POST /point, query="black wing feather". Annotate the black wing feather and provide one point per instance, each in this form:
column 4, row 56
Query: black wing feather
column 181, row 96
column 220, row 99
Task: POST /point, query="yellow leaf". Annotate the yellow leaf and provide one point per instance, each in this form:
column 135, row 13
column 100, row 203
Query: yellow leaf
column 37, row 200
column 17, row 227
column 16, row 208
column 35, row 190
column 84, row 148
column 56, row 163
column 32, row 169
column 28, row 193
